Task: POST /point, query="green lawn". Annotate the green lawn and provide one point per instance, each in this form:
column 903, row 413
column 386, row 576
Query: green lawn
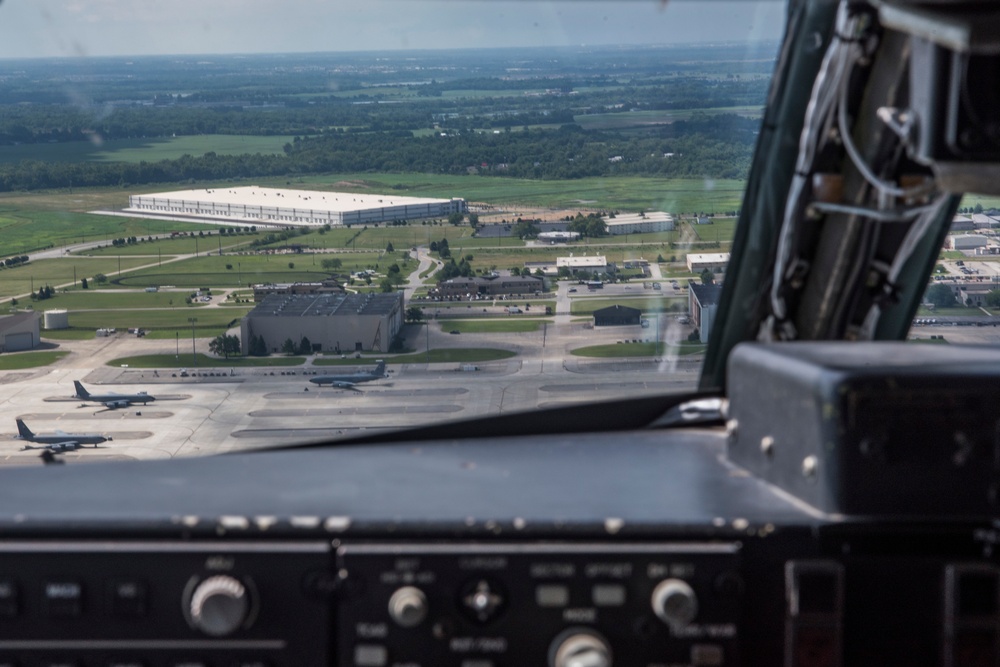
column 148, row 150
column 162, row 323
column 637, row 350
column 21, row 360
column 182, row 245
column 443, row 355
column 38, row 273
column 203, row 361
column 79, row 299
column 510, row 324
column 211, row 271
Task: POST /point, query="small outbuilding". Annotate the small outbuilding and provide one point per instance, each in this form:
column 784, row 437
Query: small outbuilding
column 617, row 316
column 20, row 331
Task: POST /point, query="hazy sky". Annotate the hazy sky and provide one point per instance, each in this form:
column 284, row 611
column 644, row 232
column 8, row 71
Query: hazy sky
column 33, row 28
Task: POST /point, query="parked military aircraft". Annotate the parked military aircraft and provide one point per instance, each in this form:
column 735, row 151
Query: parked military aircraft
column 347, row 381
column 112, row 400
column 58, row 441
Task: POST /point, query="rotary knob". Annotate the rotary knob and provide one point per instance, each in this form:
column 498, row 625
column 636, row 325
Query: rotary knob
column 580, row 648
column 219, row 605
column 675, row 603
column 408, row 606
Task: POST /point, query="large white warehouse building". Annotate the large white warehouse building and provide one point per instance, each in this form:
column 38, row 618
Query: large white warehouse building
column 290, row 208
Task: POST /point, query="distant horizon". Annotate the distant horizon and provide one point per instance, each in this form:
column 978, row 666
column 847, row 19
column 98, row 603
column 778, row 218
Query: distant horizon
column 241, row 54
column 37, row 29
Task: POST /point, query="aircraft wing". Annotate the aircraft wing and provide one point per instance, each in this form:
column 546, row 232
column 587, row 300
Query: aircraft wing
column 69, row 445
column 343, row 384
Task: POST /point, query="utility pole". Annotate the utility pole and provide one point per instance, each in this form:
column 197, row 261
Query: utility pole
column 194, row 356
column 177, row 341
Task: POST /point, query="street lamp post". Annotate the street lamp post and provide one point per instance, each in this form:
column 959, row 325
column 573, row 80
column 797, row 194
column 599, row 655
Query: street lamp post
column 177, row 341
column 194, row 356
column 239, row 271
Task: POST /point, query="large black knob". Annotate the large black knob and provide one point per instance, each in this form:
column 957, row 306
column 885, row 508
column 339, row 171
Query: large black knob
column 219, row 605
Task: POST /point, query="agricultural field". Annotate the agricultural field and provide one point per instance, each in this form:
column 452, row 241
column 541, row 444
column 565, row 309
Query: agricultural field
column 629, row 119
column 144, row 150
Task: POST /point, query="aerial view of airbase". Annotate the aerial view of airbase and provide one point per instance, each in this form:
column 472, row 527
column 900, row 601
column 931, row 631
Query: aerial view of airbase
column 434, row 237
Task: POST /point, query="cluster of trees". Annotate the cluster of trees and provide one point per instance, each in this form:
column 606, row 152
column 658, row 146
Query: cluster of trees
column 393, row 279
column 304, row 346
column 224, row 345
column 15, row 261
column 590, row 225
column 124, row 241
column 43, row 293
column 256, row 347
column 441, row 248
column 704, row 146
column 454, row 270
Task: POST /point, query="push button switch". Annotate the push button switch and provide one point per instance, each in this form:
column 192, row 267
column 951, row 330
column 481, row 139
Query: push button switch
column 128, row 598
column 8, row 599
column 63, row 598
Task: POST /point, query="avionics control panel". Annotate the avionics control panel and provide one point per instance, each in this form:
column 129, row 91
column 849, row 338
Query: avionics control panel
column 164, row 603
column 563, row 605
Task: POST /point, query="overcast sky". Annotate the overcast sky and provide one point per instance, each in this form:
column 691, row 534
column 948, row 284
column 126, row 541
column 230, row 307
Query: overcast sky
column 36, row 28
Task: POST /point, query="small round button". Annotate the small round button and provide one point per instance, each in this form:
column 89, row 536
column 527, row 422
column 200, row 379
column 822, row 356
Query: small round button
column 675, row 603
column 219, row 605
column 408, row 606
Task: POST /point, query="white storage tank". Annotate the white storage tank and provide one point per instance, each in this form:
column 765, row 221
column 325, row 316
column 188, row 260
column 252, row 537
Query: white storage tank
column 56, row 319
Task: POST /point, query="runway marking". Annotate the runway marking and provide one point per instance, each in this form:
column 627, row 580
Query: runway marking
column 372, row 391
column 360, row 410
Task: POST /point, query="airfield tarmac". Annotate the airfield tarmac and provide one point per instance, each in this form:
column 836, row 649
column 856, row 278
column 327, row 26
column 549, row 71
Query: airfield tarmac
column 263, row 407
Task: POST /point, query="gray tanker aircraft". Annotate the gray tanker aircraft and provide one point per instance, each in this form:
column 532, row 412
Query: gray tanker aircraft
column 59, row 441
column 112, row 400
column 348, row 380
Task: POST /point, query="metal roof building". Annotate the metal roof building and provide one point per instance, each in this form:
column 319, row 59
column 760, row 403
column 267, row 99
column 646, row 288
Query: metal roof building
column 639, row 223
column 20, row 331
column 616, row 316
column 288, row 208
column 332, row 322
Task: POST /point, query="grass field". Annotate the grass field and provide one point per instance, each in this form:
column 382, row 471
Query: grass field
column 21, row 360
column 507, row 325
column 637, row 350
column 68, row 334
column 117, row 299
column 445, row 355
column 36, row 274
column 183, row 245
column 618, row 121
column 148, row 150
column 162, row 323
column 211, row 271
column 203, row 361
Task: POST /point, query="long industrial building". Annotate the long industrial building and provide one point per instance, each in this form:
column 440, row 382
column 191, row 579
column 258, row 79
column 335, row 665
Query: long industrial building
column 288, row 208
column 336, row 323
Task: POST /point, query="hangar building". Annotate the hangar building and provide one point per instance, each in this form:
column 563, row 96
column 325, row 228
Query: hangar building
column 332, row 322
column 254, row 205
column 20, row 331
column 616, row 316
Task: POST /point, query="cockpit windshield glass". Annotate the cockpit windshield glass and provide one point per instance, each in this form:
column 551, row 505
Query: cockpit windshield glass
column 230, row 225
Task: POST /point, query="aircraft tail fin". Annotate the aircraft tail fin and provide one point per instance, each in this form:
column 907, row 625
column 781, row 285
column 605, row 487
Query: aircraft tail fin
column 379, row 369
column 24, row 431
column 80, row 391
